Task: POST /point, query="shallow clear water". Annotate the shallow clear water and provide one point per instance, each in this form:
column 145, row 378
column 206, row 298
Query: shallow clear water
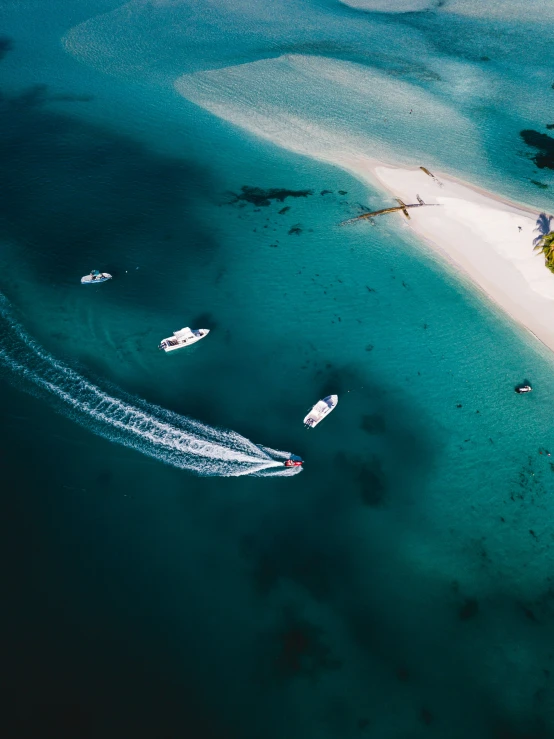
column 401, row 584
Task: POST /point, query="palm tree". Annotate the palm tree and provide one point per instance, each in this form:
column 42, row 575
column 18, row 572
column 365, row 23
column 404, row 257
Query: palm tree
column 545, row 244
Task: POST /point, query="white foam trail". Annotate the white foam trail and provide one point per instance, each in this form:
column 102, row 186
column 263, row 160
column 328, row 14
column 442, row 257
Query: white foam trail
column 151, row 430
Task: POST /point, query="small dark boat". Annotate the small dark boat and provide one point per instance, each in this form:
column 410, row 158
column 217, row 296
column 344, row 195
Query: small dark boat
column 293, row 463
column 523, row 389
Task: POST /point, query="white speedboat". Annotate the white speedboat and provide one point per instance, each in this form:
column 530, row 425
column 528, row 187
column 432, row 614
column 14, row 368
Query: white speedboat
column 321, row 409
column 184, row 337
column 94, row 277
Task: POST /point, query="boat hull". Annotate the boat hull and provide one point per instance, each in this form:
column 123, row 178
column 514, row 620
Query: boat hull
column 87, row 279
column 177, row 343
column 320, row 411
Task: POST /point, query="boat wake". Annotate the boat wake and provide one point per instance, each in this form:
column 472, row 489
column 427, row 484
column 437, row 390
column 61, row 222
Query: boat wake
column 145, row 427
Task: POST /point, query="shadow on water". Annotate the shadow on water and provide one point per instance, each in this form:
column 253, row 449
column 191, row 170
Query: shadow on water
column 204, row 320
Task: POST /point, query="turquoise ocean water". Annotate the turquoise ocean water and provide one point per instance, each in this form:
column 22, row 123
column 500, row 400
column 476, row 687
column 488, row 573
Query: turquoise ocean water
column 399, row 586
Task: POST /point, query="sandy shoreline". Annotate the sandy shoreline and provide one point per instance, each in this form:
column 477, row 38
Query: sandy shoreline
column 489, row 238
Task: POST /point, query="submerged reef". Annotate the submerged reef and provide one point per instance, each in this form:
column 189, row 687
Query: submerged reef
column 372, row 484
column 6, row 45
column 506, row 729
column 373, row 423
column 259, row 197
column 544, row 159
column 300, row 650
column 277, row 557
column 426, row 716
column 469, row 609
column 38, row 95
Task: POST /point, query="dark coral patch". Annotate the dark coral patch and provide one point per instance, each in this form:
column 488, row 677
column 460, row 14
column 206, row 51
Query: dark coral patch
column 273, row 559
column 258, row 196
column 469, row 609
column 6, row 45
column 403, row 674
column 302, row 650
column 528, row 613
column 426, row 716
column 373, row 487
column 544, row 159
column 373, row 424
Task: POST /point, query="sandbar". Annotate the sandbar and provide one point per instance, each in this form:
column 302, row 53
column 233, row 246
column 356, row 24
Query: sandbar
column 487, row 237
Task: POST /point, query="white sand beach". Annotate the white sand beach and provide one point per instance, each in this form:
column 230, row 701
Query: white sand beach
column 487, row 237
column 386, row 6
column 336, row 111
column 531, row 10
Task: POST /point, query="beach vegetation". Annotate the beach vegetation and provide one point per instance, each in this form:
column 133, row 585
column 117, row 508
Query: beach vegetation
column 545, row 245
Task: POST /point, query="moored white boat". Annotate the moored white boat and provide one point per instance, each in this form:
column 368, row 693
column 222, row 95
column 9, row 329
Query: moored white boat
column 321, row 409
column 183, row 337
column 94, row 277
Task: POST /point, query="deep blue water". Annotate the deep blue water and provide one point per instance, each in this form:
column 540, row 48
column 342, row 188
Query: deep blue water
column 400, row 586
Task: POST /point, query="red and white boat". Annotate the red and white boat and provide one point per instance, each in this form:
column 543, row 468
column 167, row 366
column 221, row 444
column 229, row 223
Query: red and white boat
column 293, row 463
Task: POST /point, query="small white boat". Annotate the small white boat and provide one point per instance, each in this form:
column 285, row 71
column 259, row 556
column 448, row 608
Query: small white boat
column 321, row 409
column 94, row 277
column 184, row 337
